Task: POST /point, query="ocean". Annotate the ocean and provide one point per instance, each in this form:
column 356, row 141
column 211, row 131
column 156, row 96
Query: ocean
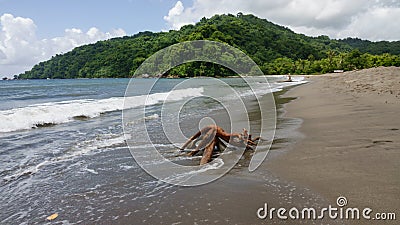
column 63, row 150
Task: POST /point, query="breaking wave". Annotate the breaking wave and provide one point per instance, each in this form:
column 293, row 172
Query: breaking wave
column 48, row 114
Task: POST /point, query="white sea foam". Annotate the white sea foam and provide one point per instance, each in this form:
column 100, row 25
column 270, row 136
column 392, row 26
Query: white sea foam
column 181, row 177
column 83, row 148
column 147, row 118
column 34, row 116
column 276, row 86
column 52, row 113
column 26, row 171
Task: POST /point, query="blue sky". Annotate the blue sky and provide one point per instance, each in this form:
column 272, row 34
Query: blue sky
column 32, row 31
column 52, row 17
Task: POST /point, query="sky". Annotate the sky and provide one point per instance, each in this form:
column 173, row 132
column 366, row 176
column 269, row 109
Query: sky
column 32, row 31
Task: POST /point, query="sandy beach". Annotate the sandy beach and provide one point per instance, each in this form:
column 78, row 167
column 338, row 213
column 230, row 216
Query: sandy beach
column 351, row 143
column 338, row 137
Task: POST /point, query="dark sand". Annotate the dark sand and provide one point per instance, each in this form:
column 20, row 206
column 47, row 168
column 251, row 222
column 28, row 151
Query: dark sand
column 236, row 197
column 348, row 145
column 351, row 144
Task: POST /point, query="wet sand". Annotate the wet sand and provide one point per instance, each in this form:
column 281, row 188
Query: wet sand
column 234, row 198
column 340, row 137
column 351, row 144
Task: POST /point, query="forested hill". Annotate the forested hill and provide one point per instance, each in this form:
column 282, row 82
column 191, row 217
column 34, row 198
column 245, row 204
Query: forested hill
column 375, row 48
column 276, row 49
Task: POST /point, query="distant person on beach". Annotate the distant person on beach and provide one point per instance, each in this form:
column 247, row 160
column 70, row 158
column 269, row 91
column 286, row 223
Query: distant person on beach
column 289, row 78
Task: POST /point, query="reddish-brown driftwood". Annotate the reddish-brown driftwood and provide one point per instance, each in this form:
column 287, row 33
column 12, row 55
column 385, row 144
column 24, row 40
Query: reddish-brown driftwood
column 213, row 137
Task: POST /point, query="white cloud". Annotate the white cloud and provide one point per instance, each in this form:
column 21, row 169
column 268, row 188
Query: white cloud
column 367, row 19
column 2, row 55
column 20, row 48
column 174, row 14
column 376, row 24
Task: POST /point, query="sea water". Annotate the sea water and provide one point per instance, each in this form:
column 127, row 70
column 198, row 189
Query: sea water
column 63, row 150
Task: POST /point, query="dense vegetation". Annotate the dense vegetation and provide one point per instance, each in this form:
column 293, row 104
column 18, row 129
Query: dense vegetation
column 375, row 48
column 276, row 49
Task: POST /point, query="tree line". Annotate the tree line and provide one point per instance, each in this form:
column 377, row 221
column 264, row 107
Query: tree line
column 346, row 61
column 275, row 49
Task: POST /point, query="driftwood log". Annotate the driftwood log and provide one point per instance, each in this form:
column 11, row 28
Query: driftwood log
column 213, row 138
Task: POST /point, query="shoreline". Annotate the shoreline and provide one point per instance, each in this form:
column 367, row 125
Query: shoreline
column 351, row 138
column 236, row 196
